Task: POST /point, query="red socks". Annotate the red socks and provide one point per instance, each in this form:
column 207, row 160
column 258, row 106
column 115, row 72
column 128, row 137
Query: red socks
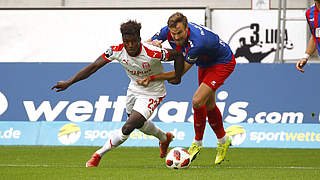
column 199, row 124
column 215, row 121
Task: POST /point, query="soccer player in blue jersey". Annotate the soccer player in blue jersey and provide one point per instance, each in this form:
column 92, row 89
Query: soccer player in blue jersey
column 313, row 19
column 216, row 62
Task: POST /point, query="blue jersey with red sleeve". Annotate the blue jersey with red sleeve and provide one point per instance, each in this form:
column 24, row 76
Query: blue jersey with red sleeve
column 312, row 15
column 204, row 48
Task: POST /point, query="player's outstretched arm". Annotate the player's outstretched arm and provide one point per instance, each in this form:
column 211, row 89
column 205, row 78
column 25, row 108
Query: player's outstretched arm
column 155, row 42
column 310, row 50
column 170, row 76
column 186, row 68
column 82, row 74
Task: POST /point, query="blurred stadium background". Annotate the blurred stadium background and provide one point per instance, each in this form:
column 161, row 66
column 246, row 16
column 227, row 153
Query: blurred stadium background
column 47, row 41
column 42, row 42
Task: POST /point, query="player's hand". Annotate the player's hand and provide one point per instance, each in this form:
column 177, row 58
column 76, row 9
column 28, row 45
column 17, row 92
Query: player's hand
column 301, row 64
column 61, row 86
column 175, row 81
column 144, row 82
column 155, row 42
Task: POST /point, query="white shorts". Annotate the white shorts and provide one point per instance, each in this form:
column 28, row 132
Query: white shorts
column 145, row 105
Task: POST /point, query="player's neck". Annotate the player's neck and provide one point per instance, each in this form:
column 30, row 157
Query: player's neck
column 138, row 51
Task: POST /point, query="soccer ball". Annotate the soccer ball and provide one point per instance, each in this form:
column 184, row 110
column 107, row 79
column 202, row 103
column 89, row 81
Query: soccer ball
column 178, row 158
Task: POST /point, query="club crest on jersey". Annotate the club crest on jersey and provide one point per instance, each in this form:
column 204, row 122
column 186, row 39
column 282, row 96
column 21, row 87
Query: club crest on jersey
column 108, row 52
column 145, row 65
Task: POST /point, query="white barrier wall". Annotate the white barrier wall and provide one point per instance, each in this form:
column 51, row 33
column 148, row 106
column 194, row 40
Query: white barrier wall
column 73, row 35
column 229, row 4
column 82, row 35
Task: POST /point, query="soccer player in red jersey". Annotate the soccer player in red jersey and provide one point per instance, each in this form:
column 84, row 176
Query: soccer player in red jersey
column 216, row 62
column 313, row 19
column 138, row 60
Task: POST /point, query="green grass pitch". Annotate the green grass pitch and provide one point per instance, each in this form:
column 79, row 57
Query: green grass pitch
column 57, row 162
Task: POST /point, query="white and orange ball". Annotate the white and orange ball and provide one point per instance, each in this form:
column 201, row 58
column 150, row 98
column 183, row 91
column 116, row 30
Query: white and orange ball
column 178, row 158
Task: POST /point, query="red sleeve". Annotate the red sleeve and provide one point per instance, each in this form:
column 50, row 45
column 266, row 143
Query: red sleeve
column 162, row 55
column 153, row 53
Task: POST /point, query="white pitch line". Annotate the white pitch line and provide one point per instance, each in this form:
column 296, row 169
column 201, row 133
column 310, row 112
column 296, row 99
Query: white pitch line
column 245, row 167
column 204, row 167
column 38, row 165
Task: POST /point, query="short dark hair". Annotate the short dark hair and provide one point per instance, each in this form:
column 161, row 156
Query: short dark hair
column 175, row 18
column 131, row 28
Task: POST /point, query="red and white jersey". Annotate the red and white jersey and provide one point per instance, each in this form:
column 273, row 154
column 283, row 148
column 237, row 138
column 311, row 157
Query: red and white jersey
column 146, row 63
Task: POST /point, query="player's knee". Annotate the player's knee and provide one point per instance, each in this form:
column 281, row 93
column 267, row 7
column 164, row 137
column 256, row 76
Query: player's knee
column 127, row 129
column 197, row 102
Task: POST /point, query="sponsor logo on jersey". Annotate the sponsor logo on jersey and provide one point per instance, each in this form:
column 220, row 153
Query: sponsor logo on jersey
column 213, row 83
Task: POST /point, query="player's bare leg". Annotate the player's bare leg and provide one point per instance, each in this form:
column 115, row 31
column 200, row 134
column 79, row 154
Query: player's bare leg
column 149, row 128
column 112, row 142
column 165, row 139
column 135, row 120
